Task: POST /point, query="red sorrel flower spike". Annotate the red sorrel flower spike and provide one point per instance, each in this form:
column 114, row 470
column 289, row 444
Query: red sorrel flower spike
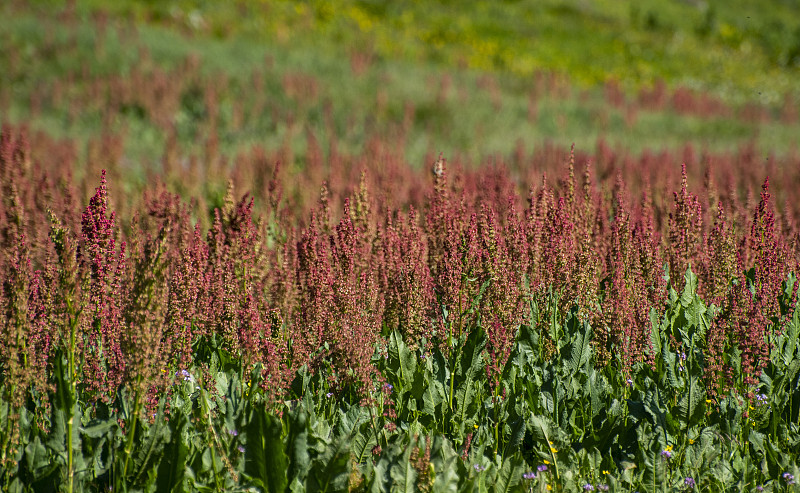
column 104, row 368
column 685, row 231
column 558, row 254
column 570, row 185
column 499, row 339
column 405, row 279
column 721, row 266
column 15, row 325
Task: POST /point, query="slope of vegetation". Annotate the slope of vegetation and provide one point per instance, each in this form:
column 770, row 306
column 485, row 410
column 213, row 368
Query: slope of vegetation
column 284, row 246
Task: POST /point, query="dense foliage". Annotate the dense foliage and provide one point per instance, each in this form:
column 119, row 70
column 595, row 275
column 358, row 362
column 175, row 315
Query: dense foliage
column 517, row 317
column 467, row 339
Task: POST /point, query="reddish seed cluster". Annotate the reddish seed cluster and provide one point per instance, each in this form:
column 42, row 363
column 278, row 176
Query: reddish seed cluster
column 281, row 284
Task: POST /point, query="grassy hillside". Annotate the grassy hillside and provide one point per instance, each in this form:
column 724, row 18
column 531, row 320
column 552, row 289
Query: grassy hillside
column 746, row 50
column 435, row 77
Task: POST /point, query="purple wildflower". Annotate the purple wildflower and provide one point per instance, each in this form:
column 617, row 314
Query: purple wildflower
column 529, row 475
column 541, row 468
column 689, row 482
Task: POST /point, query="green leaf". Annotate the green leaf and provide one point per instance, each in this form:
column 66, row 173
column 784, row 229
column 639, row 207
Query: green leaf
column 402, row 361
column 403, row 474
column 515, row 437
column 330, row 471
column 363, row 442
column 265, row 458
column 469, row 365
column 298, row 445
column 581, row 349
column 444, row 461
column 689, row 289
column 377, row 476
column 36, row 457
column 99, row 429
column 172, row 466
column 149, row 446
column 655, row 334
column 509, row 475
column 689, row 408
column 650, row 459
column 791, row 335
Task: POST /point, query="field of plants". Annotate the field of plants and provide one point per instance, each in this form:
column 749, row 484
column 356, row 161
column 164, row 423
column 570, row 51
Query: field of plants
column 235, row 261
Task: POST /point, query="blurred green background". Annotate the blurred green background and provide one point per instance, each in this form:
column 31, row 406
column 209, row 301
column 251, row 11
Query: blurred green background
column 474, row 80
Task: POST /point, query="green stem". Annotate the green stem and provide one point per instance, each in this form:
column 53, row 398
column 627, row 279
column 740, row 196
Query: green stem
column 452, row 383
column 214, row 467
column 374, row 426
column 383, row 430
column 496, row 420
column 214, row 438
column 131, row 433
column 72, row 392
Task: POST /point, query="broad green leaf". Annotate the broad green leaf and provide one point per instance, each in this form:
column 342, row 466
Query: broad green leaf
column 330, row 471
column 403, row 358
column 650, row 459
column 444, row 462
column 791, row 336
column 509, row 475
column 468, row 366
column 298, row 445
column 99, row 428
column 172, row 467
column 689, row 289
column 36, row 456
column 689, row 407
column 265, row 458
column 363, row 442
column 655, row 335
column 581, row 348
column 403, row 474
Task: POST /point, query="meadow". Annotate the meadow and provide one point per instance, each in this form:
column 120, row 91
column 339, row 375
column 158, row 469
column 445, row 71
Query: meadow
column 240, row 258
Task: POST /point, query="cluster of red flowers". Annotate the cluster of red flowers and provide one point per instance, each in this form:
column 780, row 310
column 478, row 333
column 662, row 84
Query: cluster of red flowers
column 280, row 284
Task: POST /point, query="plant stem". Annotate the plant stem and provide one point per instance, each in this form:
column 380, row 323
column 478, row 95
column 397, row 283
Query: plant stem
column 374, row 427
column 214, row 438
column 72, row 390
column 132, row 431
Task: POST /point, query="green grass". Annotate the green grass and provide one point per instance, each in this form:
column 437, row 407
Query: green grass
column 414, row 46
column 736, row 48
